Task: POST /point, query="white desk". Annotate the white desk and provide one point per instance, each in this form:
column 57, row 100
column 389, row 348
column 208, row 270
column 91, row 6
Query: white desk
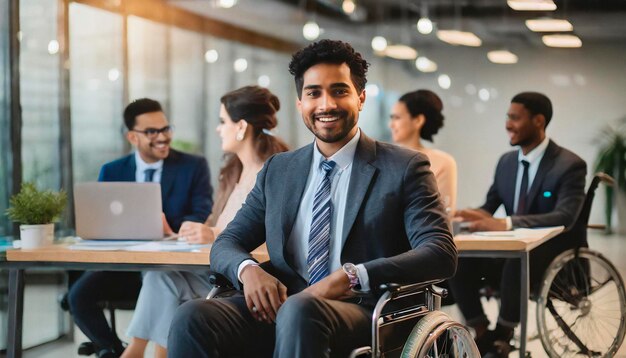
column 513, row 244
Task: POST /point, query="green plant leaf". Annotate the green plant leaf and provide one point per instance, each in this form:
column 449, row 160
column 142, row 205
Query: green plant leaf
column 33, row 207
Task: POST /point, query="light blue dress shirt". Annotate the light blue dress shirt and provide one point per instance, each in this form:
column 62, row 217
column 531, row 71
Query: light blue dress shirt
column 142, row 166
column 298, row 244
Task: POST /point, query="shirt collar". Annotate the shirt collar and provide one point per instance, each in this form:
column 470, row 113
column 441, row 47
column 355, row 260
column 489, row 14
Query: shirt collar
column 141, row 165
column 343, row 157
column 536, row 153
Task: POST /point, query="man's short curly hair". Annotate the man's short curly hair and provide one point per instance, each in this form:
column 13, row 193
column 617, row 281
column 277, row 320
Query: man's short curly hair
column 328, row 51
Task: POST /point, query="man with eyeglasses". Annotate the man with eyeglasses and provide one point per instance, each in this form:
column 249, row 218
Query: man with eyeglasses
column 186, row 194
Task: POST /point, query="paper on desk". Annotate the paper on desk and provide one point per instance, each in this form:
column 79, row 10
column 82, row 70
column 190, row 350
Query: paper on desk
column 166, row 246
column 525, row 233
column 134, row 245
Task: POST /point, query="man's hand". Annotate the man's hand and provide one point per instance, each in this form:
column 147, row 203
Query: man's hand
column 471, row 215
column 167, row 230
column 488, row 224
column 335, row 286
column 196, row 233
column 263, row 292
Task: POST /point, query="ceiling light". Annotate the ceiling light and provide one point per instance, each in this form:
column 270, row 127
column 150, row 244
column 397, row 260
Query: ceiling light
column 502, row 57
column 113, row 74
column 311, row 30
column 424, row 26
column 379, row 43
column 549, row 25
column 372, row 90
column 401, row 52
column 211, row 56
column 532, row 5
column 455, row 37
column 565, row 41
column 240, row 65
column 425, row 65
column 53, row 47
column 348, row 6
column 226, row 4
column 484, row 94
column 263, row 81
column 444, row 81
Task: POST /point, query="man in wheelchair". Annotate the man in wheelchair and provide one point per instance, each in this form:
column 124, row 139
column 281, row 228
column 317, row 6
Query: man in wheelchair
column 541, row 184
column 343, row 213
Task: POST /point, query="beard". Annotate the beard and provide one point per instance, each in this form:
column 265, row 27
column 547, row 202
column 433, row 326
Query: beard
column 345, row 123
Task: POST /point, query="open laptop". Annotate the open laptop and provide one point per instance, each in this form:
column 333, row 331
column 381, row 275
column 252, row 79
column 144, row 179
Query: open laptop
column 118, row 211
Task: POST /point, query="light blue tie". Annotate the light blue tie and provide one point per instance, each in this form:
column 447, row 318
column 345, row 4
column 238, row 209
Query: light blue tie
column 148, row 174
column 319, row 237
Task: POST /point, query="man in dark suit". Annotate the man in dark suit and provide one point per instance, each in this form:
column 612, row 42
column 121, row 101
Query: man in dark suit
column 540, row 184
column 186, row 195
column 341, row 213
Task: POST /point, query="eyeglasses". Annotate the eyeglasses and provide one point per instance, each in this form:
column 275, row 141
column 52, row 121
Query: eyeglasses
column 152, row 133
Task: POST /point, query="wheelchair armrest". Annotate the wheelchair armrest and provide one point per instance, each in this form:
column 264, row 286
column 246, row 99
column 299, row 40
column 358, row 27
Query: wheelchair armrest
column 396, row 289
column 219, row 280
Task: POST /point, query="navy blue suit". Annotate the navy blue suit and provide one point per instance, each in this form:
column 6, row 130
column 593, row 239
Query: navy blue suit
column 186, row 195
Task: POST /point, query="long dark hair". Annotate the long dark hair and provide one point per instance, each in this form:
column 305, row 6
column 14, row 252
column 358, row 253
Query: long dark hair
column 257, row 106
column 429, row 104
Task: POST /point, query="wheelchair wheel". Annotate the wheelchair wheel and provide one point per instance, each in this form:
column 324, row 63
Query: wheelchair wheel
column 438, row 336
column 581, row 310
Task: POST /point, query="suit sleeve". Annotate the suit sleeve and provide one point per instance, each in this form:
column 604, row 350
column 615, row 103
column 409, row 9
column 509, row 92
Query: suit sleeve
column 570, row 197
column 493, row 200
column 243, row 234
column 103, row 173
column 200, row 193
column 433, row 254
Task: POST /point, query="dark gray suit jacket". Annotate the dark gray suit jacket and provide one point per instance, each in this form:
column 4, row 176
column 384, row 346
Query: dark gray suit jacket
column 554, row 198
column 394, row 221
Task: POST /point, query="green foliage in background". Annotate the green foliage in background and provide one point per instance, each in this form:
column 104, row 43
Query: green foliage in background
column 612, row 160
column 34, row 207
column 185, row 146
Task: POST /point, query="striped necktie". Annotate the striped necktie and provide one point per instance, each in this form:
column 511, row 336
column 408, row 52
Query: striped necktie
column 319, row 237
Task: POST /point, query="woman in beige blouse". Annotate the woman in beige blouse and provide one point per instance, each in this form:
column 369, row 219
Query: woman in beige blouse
column 416, row 116
column 246, row 117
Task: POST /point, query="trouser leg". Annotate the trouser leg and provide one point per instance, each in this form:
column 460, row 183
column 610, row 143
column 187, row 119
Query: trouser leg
column 308, row 326
column 221, row 327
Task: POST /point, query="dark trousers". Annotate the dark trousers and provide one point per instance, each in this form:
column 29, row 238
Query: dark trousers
column 504, row 275
column 96, row 286
column 306, row 326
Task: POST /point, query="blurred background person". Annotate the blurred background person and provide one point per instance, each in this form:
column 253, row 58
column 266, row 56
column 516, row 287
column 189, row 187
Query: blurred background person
column 416, row 116
column 246, row 117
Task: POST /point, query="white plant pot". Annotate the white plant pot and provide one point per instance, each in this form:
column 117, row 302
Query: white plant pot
column 34, row 236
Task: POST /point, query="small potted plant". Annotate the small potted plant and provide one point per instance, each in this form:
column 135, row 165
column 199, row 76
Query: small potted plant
column 36, row 211
column 612, row 161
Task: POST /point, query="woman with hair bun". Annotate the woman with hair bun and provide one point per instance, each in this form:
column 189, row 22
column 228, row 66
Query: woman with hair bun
column 416, row 116
column 247, row 116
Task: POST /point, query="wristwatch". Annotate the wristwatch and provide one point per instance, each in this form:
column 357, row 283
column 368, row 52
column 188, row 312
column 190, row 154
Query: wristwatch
column 351, row 270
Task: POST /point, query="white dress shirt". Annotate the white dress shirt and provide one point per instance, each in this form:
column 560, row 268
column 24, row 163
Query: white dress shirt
column 533, row 158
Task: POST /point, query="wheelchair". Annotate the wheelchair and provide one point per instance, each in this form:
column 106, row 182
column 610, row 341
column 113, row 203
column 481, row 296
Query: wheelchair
column 581, row 303
column 406, row 323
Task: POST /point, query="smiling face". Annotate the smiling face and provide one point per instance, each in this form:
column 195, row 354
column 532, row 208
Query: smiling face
column 330, row 105
column 151, row 149
column 523, row 128
column 404, row 128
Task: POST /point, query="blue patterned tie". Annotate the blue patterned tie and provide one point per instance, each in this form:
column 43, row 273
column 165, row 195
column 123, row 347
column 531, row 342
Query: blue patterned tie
column 148, row 174
column 319, row 237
